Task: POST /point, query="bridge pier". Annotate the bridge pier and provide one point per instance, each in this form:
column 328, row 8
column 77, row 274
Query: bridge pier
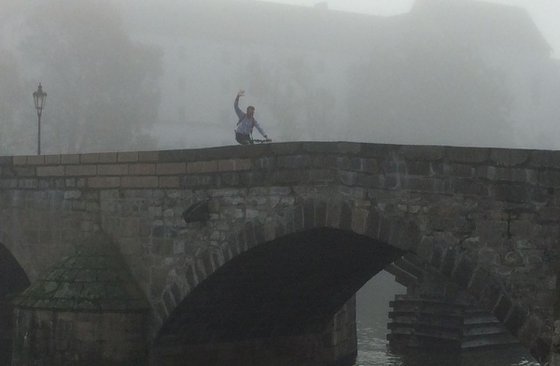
column 437, row 314
column 86, row 311
column 6, row 320
column 334, row 345
column 555, row 346
column 44, row 337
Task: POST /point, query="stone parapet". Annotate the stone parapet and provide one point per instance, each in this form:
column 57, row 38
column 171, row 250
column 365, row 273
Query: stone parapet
column 439, row 169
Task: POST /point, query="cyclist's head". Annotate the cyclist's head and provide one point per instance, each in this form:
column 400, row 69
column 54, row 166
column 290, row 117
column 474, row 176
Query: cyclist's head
column 250, row 111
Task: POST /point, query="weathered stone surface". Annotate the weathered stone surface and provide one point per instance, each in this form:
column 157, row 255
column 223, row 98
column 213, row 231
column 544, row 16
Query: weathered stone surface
column 496, row 207
column 80, row 170
column 139, row 182
column 127, row 157
column 467, row 155
column 19, row 160
column 502, row 308
column 93, row 279
column 50, row 171
column 52, row 159
column 545, row 159
column 35, row 160
column 70, row 159
column 294, row 161
column 104, row 182
column 428, row 153
column 112, row 169
column 379, row 150
column 549, row 178
column 148, row 156
column 7, row 160
column 170, row 168
column 142, row 169
column 509, row 157
column 79, row 338
column 234, row 165
column 202, row 167
column 286, row 148
column 169, row 182
column 517, row 317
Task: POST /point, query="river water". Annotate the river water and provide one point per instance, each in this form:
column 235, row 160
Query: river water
column 372, row 351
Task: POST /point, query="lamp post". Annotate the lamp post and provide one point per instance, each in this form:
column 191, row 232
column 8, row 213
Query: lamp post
column 39, row 97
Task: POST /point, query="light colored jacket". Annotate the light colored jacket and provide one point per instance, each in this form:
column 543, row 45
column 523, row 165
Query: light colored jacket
column 245, row 125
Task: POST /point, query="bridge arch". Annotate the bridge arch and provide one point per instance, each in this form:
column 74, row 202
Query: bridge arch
column 289, row 287
column 13, row 278
column 366, row 227
column 310, row 257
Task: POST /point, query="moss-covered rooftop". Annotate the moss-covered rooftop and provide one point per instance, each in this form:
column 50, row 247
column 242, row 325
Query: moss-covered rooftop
column 93, row 279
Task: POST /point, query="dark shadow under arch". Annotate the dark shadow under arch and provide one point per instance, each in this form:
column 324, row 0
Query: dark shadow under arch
column 13, row 280
column 283, row 287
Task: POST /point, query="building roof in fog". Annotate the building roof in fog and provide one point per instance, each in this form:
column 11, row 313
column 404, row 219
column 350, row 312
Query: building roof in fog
column 263, row 23
column 481, row 23
column 254, row 22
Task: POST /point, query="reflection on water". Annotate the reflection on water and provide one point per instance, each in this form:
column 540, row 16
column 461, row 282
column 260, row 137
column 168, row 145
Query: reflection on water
column 372, row 351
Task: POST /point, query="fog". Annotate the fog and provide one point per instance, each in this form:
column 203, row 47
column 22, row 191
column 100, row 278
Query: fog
column 163, row 74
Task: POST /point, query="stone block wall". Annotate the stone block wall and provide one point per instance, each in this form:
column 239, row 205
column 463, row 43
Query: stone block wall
column 52, row 338
column 6, row 331
column 488, row 217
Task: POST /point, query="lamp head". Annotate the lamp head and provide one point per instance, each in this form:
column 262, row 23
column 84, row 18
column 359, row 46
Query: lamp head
column 39, row 98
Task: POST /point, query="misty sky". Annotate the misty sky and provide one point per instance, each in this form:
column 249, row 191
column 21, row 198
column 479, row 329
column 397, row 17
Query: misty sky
column 544, row 12
column 304, row 75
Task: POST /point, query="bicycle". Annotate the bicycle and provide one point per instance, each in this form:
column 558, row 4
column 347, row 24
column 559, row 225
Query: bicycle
column 260, row 141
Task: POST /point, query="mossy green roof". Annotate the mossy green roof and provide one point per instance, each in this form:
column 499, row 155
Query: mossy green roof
column 93, row 279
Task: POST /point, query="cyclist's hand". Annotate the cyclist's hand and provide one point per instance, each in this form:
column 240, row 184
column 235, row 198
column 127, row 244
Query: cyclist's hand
column 241, row 93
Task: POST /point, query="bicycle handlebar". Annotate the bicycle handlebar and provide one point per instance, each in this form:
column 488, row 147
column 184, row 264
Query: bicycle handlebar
column 259, row 141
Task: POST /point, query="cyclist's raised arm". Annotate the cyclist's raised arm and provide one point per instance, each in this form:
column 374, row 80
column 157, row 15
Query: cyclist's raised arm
column 238, row 110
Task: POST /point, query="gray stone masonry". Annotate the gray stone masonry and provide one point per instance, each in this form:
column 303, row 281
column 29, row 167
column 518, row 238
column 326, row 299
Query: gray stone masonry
column 86, row 310
column 485, row 218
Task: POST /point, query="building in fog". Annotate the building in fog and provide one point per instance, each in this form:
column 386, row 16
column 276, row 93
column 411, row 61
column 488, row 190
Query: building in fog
column 437, row 75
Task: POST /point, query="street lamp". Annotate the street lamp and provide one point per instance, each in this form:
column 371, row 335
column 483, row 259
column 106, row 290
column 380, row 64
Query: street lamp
column 39, row 97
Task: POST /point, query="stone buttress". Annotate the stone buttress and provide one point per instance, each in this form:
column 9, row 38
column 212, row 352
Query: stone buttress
column 86, row 310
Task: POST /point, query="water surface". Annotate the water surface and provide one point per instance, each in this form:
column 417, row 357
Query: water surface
column 372, row 351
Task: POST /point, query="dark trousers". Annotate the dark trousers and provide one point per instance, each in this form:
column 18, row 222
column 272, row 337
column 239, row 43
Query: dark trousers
column 243, row 139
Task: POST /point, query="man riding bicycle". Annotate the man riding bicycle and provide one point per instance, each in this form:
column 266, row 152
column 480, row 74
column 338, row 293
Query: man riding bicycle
column 246, row 123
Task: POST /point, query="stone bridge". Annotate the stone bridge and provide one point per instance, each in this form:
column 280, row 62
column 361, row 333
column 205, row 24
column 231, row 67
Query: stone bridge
column 293, row 231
